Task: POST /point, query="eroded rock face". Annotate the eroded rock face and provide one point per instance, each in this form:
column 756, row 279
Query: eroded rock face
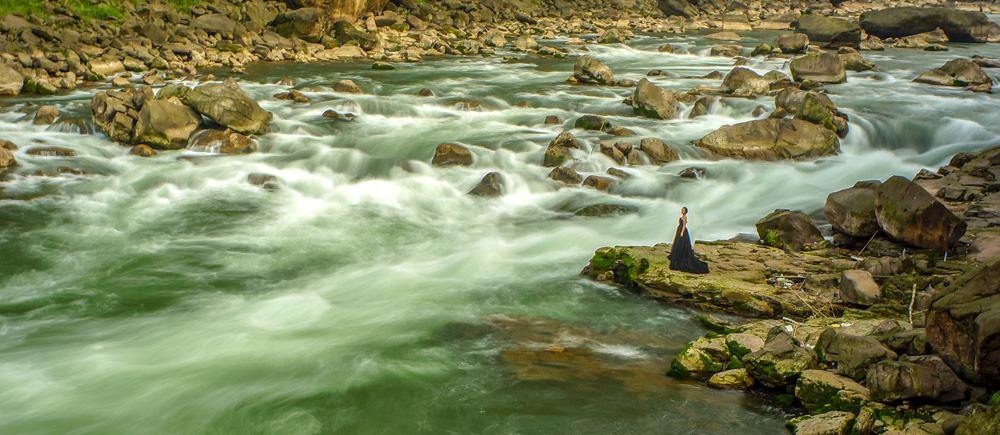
column 303, row 23
column 960, row 26
column 226, row 104
column 890, row 381
column 829, row 31
column 590, row 70
column 771, row 139
column 911, row 215
column 963, row 324
column 165, row 124
column 794, row 230
column 341, row 9
column 653, row 101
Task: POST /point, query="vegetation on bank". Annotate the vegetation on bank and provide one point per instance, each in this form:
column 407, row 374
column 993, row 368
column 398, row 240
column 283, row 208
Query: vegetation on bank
column 102, row 10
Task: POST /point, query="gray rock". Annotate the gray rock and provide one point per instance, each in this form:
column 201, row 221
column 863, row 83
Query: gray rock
column 226, row 104
column 859, row 288
column 911, row 215
column 653, row 101
column 791, row 230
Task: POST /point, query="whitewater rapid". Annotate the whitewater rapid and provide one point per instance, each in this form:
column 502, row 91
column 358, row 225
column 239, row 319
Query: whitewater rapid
column 169, row 295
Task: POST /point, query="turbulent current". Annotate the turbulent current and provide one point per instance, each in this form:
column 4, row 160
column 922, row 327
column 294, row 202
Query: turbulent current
column 370, row 293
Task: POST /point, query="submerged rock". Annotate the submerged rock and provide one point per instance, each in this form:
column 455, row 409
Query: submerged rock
column 771, row 139
column 603, row 210
column 592, row 122
column 490, row 186
column 224, row 141
column 45, row 115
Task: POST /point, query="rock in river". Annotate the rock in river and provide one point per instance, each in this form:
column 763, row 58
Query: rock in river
column 829, row 31
column 166, row 124
column 744, row 82
column 957, row 72
column 653, row 101
column 959, row 25
column 819, row 67
column 590, row 70
column 771, row 139
column 448, row 154
column 226, row 104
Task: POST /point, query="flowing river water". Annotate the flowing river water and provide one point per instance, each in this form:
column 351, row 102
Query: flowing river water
column 168, row 295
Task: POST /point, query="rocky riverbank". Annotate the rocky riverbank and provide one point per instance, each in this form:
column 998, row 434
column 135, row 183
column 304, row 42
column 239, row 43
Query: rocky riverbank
column 876, row 330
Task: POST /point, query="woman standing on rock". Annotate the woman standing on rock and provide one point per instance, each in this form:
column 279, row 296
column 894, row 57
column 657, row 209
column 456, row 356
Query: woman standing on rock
column 681, row 254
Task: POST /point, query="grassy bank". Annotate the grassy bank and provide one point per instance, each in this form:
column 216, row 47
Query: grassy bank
column 104, row 10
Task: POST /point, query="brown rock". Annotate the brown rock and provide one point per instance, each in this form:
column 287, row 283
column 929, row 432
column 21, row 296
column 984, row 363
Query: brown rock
column 600, row 183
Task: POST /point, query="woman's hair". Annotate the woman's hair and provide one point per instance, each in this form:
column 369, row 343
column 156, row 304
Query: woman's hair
column 684, row 210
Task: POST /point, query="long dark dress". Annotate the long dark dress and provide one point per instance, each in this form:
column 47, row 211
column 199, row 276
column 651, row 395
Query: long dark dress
column 682, row 255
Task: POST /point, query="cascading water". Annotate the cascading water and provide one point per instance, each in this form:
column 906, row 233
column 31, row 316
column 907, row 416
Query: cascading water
column 168, row 295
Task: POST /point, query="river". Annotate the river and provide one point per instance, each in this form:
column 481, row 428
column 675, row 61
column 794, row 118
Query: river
column 169, row 295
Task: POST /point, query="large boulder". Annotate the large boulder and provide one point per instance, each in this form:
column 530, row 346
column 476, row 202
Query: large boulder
column 590, row 70
column 820, row 67
column 165, row 124
column 744, row 82
column 734, row 379
column 304, row 23
column 788, row 229
column 829, row 31
column 963, row 324
column 959, row 25
column 852, row 211
column 852, row 355
column 827, row 423
column 956, row 72
column 771, row 139
column 653, row 101
column 11, row 81
column 911, row 215
column 226, row 104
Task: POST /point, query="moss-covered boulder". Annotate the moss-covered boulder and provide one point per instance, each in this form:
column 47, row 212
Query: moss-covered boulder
column 788, row 229
column 702, row 356
column 822, row 391
column 781, row 361
column 734, row 379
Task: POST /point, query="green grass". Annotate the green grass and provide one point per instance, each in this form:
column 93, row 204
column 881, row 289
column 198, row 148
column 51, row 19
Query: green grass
column 104, row 10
